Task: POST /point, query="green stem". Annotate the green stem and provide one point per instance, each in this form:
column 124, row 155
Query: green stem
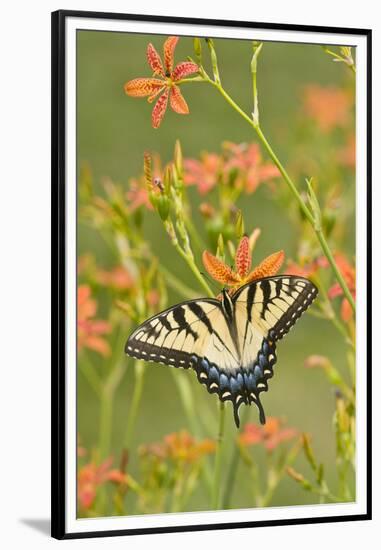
column 185, row 390
column 293, row 189
column 331, row 260
column 105, row 425
column 233, row 466
column 188, row 80
column 194, row 234
column 106, row 405
column 188, row 258
column 91, row 375
column 257, row 50
column 218, row 462
column 135, row 402
column 329, row 313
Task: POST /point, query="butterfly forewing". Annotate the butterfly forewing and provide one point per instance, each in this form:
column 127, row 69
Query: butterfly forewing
column 183, row 335
column 276, row 303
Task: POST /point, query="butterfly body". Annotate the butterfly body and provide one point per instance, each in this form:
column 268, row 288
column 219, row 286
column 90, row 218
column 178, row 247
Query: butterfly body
column 229, row 343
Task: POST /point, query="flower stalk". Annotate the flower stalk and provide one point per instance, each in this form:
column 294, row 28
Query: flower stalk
column 217, row 482
column 254, row 123
column 139, row 368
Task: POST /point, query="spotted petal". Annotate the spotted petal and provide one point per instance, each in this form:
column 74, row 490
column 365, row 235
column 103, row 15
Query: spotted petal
column 169, row 52
column 178, row 103
column 159, row 109
column 184, row 69
column 154, row 60
column 141, row 87
column 269, row 267
column 243, row 257
column 156, row 93
column 218, row 270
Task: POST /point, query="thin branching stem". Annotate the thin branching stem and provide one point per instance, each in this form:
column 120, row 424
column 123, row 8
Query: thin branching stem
column 135, row 402
column 216, row 493
column 303, row 206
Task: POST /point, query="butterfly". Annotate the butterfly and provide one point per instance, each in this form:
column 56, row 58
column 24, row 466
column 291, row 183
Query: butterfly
column 230, row 342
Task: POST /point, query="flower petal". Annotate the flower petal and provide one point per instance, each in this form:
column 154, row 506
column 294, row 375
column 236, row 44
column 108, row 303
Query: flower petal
column 154, row 60
column 243, row 257
column 335, row 291
column 169, row 52
column 141, row 87
column 346, row 310
column 218, row 270
column 159, row 109
column 178, row 103
column 270, row 266
column 155, row 94
column 184, row 69
column 98, row 344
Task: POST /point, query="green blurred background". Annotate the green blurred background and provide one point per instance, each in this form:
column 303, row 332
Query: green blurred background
column 113, row 132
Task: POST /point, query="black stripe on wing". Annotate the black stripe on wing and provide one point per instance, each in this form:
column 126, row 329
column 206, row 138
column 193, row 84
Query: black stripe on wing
column 288, row 294
column 152, row 330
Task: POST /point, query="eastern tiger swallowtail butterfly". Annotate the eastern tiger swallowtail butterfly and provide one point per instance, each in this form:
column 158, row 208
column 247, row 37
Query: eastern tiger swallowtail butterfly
column 230, row 343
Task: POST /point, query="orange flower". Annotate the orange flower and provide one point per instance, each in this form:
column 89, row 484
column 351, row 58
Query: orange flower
column 347, row 271
column 204, row 173
column 308, row 269
column 226, row 276
column 347, row 155
column 137, row 195
column 118, row 278
column 317, row 362
column 329, row 107
column 240, row 165
column 247, row 159
column 91, row 477
column 166, row 84
column 207, row 210
column 90, row 330
column 349, row 274
column 181, row 447
column 270, row 435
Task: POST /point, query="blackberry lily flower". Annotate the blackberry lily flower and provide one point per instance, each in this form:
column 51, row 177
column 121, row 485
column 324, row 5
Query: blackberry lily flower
column 164, row 82
column 223, row 274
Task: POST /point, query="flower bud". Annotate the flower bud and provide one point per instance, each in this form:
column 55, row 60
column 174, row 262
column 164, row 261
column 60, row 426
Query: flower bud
column 239, row 225
column 197, row 49
column 308, row 451
column 148, row 169
column 220, row 247
column 168, row 180
column 178, row 158
column 163, row 206
column 329, row 220
column 299, row 478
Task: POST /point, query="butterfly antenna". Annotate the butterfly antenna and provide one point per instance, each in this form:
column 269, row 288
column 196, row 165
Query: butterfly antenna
column 236, row 414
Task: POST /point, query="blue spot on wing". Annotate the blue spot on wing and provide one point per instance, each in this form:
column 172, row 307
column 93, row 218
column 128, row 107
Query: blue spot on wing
column 238, row 386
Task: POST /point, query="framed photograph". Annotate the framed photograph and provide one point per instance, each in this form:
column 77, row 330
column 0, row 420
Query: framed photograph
column 211, row 293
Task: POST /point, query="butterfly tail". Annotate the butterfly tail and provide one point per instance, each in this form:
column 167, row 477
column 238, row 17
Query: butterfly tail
column 262, row 416
column 236, row 413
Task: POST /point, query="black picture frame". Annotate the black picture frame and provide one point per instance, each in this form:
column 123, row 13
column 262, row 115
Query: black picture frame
column 58, row 224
